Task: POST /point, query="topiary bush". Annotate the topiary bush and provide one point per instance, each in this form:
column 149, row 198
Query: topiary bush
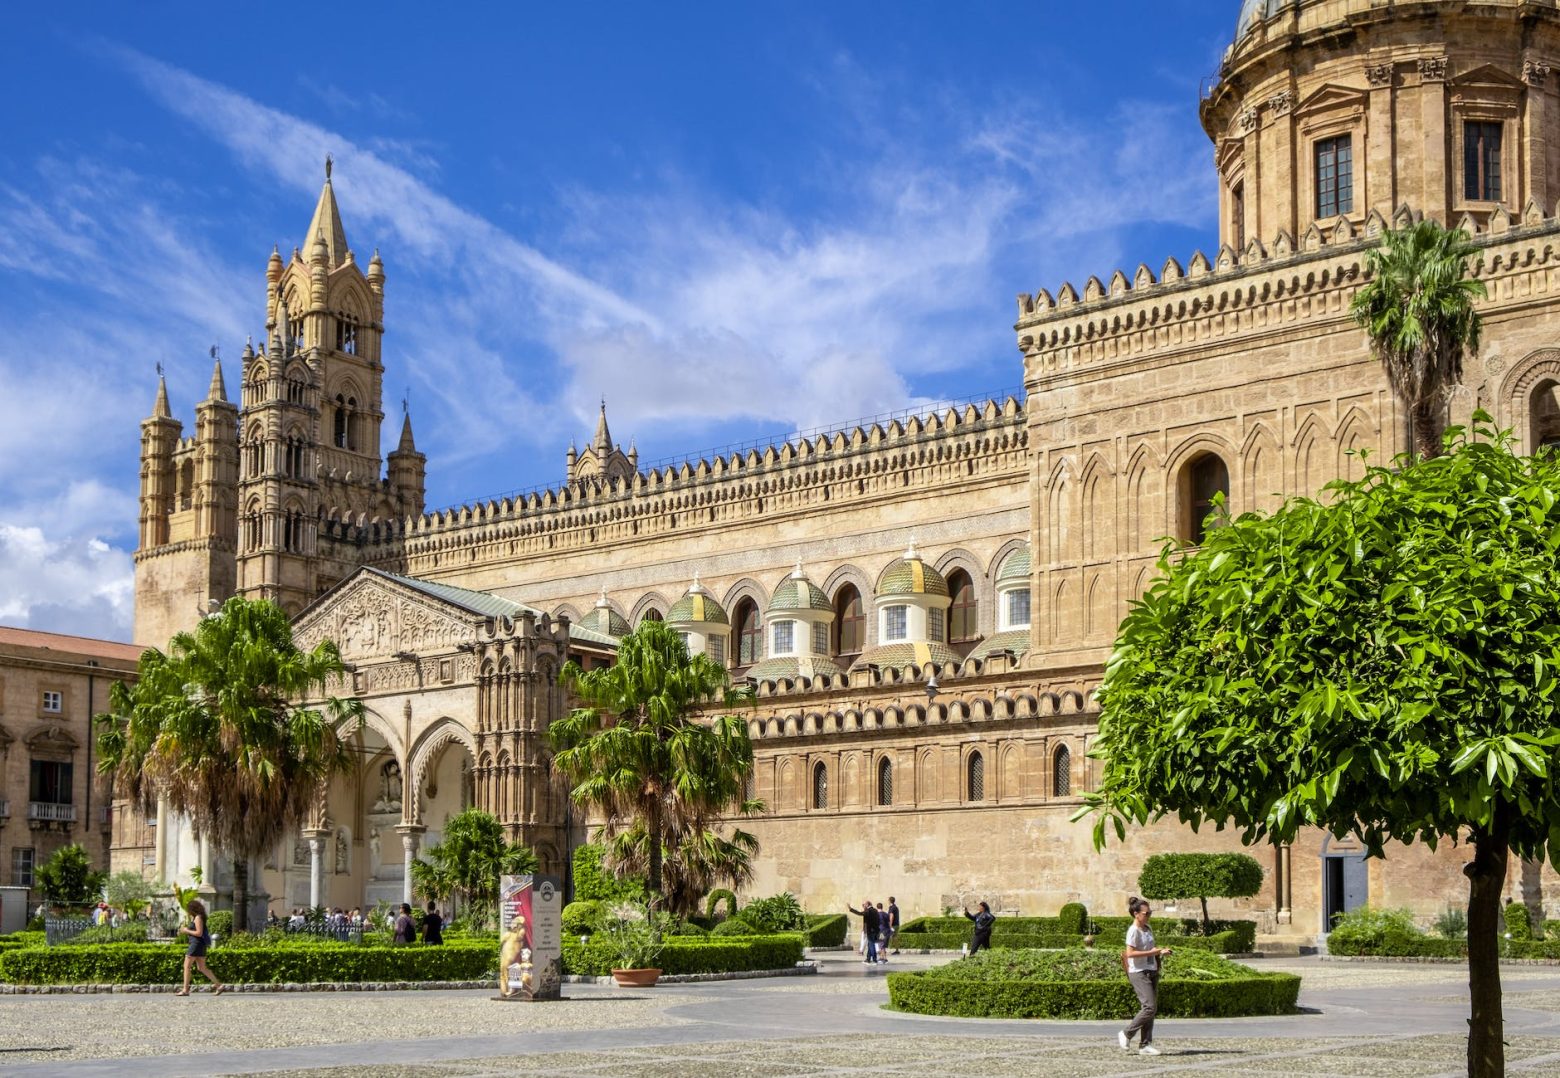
column 948, row 933
column 778, row 913
column 581, row 918
column 1174, row 876
column 220, row 923
column 684, row 955
column 717, row 898
column 1388, row 934
column 1085, row 984
column 261, row 961
column 594, row 883
column 735, row 926
column 1519, row 925
column 1073, row 918
column 826, row 929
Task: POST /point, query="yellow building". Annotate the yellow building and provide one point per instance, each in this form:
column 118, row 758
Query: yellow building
column 925, row 600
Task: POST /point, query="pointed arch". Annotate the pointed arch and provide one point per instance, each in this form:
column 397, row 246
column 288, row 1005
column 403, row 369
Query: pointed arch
column 1096, row 509
column 1145, row 500
column 1061, row 616
column 1313, row 463
column 650, row 601
column 1355, row 433
column 1262, row 469
column 1012, row 771
column 1061, row 771
column 1060, row 514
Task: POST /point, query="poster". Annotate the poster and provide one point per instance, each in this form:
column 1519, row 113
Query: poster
column 530, row 955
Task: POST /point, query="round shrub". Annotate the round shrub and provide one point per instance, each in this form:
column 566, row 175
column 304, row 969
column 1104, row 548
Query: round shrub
column 581, row 918
column 1086, row 984
column 1073, row 919
column 220, row 923
column 734, row 926
column 685, row 928
column 1519, row 926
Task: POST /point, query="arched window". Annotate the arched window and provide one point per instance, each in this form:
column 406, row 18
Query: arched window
column 975, row 786
column 252, row 527
column 295, row 387
column 1544, row 416
column 850, row 623
column 750, row 634
column 354, row 422
column 885, row 789
column 1205, row 478
column 964, row 614
column 1061, row 772
column 820, row 786
column 186, row 484
column 346, row 336
column 650, row 615
column 338, row 434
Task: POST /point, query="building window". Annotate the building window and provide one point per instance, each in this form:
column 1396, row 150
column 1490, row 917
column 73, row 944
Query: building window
column 820, row 786
column 976, row 787
column 1018, row 609
column 346, row 337
column 1238, row 216
column 294, row 390
column 934, row 625
column 963, row 614
column 1481, row 162
column 1334, row 177
column 895, row 622
column 885, row 789
column 716, row 649
column 684, row 638
column 338, row 430
column 784, row 637
column 650, row 615
column 53, row 702
column 820, row 638
column 750, row 634
column 22, row 866
column 51, row 782
column 1207, row 478
column 850, row 623
column 1061, row 772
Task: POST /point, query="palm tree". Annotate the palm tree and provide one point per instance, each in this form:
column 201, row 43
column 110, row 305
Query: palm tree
column 640, row 750
column 213, row 726
column 1418, row 311
column 693, row 864
column 469, row 860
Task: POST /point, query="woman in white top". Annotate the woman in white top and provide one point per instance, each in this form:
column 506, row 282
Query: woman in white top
column 1143, row 971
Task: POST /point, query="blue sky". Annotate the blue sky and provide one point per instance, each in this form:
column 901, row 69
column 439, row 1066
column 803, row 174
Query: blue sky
column 731, row 220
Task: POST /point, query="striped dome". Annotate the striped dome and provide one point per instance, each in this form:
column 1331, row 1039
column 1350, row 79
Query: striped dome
column 912, row 576
column 810, row 666
column 799, row 593
column 697, row 607
column 603, row 619
column 903, row 656
column 1016, row 566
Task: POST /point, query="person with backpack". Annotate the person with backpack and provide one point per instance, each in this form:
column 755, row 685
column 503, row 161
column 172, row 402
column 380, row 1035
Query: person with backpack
column 869, row 928
column 405, row 927
column 983, row 922
column 432, row 925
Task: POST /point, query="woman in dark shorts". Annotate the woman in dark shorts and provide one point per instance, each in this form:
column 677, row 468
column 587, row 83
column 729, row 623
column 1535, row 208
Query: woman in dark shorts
column 200, row 943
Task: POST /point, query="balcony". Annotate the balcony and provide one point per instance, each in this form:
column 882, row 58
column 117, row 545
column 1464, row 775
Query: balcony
column 105, row 816
column 49, row 812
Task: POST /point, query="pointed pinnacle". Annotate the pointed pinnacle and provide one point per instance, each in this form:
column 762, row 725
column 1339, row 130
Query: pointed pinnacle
column 160, row 410
column 218, row 390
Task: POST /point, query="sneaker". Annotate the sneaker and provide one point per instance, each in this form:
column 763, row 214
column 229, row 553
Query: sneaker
column 1148, row 1050
column 1123, row 1040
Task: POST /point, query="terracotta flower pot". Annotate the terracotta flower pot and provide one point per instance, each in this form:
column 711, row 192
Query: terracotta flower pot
column 636, row 978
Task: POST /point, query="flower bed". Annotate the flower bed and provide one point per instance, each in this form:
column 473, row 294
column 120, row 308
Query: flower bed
column 1083, row 984
column 163, row 963
column 691, row 954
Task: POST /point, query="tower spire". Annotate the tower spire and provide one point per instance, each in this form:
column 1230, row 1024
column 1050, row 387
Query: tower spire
column 407, row 445
column 603, row 435
column 326, row 223
column 160, row 410
column 218, row 390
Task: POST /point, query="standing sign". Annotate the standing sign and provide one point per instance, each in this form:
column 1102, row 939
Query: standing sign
column 530, row 950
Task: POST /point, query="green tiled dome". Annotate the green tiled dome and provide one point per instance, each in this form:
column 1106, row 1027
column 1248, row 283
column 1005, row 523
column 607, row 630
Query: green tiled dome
column 799, row 593
column 1016, row 566
column 697, row 606
column 807, row 666
column 900, row 656
column 1014, row 640
column 603, row 619
column 912, row 576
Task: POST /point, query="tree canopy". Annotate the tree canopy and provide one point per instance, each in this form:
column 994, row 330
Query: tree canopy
column 215, row 725
column 68, row 878
column 643, row 750
column 1383, row 665
column 468, row 861
column 1174, row 876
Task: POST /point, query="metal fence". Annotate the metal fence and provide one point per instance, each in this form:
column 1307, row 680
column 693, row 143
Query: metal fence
column 59, row 929
column 348, row 933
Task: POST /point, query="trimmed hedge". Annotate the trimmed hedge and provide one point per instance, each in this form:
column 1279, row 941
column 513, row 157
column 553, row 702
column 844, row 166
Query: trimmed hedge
column 826, row 929
column 581, row 918
column 1519, row 924
column 1073, row 918
column 1097, row 990
column 1532, row 948
column 1027, row 933
column 683, row 954
column 155, row 963
column 734, row 926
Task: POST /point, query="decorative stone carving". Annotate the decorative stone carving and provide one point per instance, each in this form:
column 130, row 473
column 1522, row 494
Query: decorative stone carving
column 389, row 799
column 1248, row 120
column 1379, row 74
column 374, row 856
column 1433, row 69
column 341, row 853
column 1282, row 103
column 300, row 855
column 1534, row 72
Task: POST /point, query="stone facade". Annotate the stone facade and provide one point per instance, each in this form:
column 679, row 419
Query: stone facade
column 50, row 687
column 937, row 745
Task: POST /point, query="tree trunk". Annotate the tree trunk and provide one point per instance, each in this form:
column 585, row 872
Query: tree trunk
column 1207, row 925
column 1486, row 878
column 240, row 894
column 653, row 831
column 1428, row 429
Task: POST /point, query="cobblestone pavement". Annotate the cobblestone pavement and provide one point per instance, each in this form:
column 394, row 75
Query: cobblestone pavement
column 1361, row 1021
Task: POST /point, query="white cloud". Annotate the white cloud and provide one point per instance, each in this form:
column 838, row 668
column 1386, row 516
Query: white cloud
column 81, row 586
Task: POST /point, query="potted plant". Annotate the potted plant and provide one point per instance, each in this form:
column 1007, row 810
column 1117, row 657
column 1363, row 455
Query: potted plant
column 634, row 937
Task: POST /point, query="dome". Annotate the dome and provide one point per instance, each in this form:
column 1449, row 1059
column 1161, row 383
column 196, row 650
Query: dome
column 603, row 619
column 911, row 576
column 1016, row 566
column 1257, row 10
column 809, row 666
column 1014, row 640
column 697, row 607
column 799, row 593
column 903, row 656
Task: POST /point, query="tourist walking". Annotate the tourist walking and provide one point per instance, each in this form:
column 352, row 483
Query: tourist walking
column 1142, row 961
column 893, row 922
column 983, row 922
column 432, row 925
column 405, row 929
column 869, row 928
column 883, row 934
column 200, row 943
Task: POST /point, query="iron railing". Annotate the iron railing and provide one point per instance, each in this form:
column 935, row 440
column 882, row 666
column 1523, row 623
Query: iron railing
column 49, row 811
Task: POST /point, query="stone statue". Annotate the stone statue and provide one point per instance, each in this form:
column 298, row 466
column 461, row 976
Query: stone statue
column 373, row 853
column 341, row 852
column 389, row 788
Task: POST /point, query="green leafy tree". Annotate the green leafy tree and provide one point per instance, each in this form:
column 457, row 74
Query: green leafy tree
column 593, row 882
column 1175, row 876
column 68, row 878
column 215, row 725
column 1418, row 311
column 128, row 891
column 468, row 861
column 692, row 862
column 642, row 750
column 1384, row 666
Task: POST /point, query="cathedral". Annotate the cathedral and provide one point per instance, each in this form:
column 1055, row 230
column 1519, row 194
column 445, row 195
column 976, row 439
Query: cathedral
column 923, row 601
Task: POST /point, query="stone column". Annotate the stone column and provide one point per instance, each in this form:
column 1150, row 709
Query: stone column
column 316, row 839
column 161, row 842
column 1284, row 886
column 411, row 838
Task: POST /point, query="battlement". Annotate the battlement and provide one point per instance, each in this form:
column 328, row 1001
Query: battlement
column 1289, row 282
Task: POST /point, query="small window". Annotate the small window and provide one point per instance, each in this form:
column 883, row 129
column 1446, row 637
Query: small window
column 750, row 634
column 1238, row 216
column 820, row 786
column 963, row 613
column 784, row 637
column 1207, row 479
column 22, row 866
column 684, row 638
column 895, row 622
column 934, row 626
column 650, row 615
column 885, row 790
column 1334, row 177
column 820, row 638
column 51, row 782
column 1481, row 162
column 339, row 424
column 53, row 702
column 850, row 623
column 976, row 787
column 716, row 649
column 1061, row 773
column 1018, row 608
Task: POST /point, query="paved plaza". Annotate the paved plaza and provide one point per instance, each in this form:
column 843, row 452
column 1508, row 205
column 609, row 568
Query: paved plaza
column 1360, row 1020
